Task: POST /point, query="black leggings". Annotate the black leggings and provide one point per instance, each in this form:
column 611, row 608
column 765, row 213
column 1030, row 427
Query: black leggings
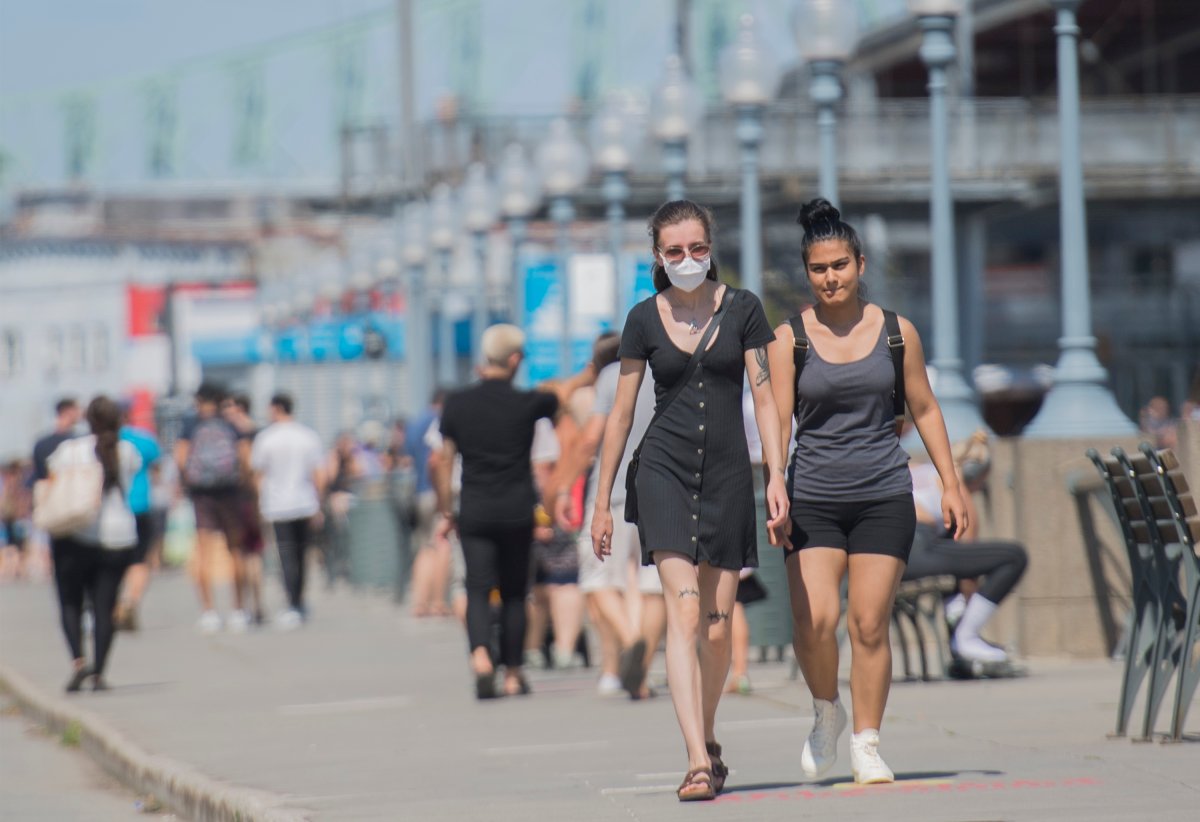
column 291, row 540
column 81, row 569
column 497, row 556
column 1001, row 564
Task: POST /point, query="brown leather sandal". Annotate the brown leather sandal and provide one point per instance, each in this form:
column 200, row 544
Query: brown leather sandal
column 719, row 771
column 697, row 786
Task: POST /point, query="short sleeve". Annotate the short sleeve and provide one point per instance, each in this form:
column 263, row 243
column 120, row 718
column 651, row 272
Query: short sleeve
column 756, row 331
column 545, row 446
column 449, row 412
column 188, row 430
column 545, row 404
column 606, row 389
column 633, row 335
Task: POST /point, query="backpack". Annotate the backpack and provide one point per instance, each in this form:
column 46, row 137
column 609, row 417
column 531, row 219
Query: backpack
column 213, row 459
column 895, row 342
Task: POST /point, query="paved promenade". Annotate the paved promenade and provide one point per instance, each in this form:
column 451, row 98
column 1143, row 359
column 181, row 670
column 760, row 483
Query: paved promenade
column 367, row 714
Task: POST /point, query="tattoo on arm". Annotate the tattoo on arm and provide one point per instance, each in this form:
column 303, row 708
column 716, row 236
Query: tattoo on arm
column 689, row 592
column 764, row 366
column 718, row 616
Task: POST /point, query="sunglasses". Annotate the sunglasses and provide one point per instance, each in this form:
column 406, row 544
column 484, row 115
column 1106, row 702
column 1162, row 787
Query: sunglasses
column 676, row 253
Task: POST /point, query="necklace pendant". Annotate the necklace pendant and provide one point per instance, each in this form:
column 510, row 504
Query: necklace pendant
column 694, row 329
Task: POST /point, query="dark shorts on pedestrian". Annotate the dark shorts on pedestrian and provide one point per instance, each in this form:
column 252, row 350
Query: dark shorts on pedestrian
column 884, row 526
column 221, row 511
column 146, row 534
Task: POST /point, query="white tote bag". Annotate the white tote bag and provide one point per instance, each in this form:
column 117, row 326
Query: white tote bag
column 70, row 500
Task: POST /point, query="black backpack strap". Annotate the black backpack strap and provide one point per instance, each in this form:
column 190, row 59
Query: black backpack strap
column 800, row 348
column 895, row 342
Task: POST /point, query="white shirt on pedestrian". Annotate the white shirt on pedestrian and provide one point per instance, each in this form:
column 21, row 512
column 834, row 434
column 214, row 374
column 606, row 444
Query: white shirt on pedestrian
column 287, row 454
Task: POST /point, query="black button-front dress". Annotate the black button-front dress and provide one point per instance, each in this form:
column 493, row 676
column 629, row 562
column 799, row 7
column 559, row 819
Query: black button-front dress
column 694, row 486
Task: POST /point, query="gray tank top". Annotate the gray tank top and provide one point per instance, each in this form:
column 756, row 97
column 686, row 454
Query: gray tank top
column 846, row 444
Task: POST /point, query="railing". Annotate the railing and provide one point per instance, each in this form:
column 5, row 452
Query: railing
column 992, row 140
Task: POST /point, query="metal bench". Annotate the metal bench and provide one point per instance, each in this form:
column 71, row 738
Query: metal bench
column 919, row 606
column 1155, row 647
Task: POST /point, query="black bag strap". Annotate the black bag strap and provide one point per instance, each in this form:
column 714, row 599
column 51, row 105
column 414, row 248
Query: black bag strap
column 895, row 343
column 693, row 361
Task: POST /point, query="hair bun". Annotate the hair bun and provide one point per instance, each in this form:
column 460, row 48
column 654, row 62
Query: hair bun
column 817, row 211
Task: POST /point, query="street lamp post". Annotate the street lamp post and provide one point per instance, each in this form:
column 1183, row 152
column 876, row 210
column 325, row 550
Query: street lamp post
column 441, row 237
column 954, row 393
column 479, row 213
column 415, row 252
column 826, row 31
column 676, row 111
column 1079, row 402
column 613, row 139
column 749, row 80
column 520, row 195
column 562, row 161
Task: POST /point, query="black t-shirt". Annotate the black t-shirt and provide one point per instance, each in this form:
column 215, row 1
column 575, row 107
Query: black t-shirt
column 42, row 450
column 492, row 425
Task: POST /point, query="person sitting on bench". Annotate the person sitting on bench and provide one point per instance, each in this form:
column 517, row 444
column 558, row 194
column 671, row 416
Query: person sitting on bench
column 1000, row 564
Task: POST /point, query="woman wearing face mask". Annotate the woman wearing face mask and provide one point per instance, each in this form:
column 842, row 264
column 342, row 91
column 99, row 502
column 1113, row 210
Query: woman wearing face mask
column 694, row 490
column 852, row 497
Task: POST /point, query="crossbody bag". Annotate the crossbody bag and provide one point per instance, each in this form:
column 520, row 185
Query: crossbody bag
column 631, row 506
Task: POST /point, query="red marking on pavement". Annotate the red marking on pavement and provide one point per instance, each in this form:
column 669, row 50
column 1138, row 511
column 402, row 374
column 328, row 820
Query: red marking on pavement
column 849, row 790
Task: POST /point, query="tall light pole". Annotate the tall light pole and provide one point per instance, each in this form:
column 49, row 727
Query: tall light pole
column 613, row 137
column 414, row 250
column 442, row 229
column 1079, row 402
column 954, row 393
column 479, row 213
column 826, row 31
column 562, row 162
column 749, row 78
column 520, row 196
column 676, row 110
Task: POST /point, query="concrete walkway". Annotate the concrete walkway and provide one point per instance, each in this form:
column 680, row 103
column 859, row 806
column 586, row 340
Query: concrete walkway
column 366, row 714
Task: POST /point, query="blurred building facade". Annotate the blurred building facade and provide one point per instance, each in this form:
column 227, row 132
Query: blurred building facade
column 308, row 166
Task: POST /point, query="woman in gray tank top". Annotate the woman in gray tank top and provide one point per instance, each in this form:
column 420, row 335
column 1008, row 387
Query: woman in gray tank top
column 852, row 507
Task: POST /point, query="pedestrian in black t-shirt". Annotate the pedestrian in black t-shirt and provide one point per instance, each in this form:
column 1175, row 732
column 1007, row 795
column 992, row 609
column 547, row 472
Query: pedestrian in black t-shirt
column 491, row 425
column 66, row 417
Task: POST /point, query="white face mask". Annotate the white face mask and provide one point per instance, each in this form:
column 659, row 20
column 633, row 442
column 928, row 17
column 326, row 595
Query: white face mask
column 687, row 274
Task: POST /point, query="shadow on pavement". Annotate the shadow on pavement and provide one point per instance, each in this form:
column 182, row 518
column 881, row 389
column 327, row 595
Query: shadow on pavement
column 911, row 776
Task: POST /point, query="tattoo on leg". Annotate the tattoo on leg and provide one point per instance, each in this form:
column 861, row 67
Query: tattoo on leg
column 764, row 366
column 689, row 592
column 717, row 616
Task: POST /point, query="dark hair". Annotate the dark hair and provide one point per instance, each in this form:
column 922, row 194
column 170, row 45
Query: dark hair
column 64, row 405
column 283, row 402
column 673, row 213
column 821, row 222
column 604, row 350
column 210, row 392
column 242, row 401
column 104, row 418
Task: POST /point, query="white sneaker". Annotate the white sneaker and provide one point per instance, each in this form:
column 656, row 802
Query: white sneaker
column 238, row 622
column 289, row 620
column 209, row 622
column 609, row 685
column 820, row 749
column 866, row 764
column 977, row 649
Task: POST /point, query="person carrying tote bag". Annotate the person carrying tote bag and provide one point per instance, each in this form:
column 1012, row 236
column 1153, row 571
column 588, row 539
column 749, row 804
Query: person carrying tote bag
column 92, row 556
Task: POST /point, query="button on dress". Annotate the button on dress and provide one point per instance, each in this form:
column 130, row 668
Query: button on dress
column 694, row 484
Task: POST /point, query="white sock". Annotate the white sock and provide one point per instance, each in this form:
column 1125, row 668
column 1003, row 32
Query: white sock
column 966, row 636
column 955, row 606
